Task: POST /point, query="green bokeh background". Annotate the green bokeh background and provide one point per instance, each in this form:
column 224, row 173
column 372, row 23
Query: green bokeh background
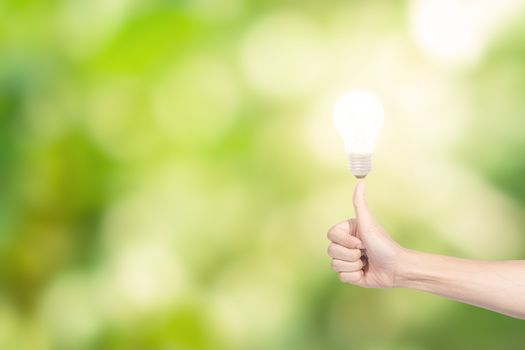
column 168, row 169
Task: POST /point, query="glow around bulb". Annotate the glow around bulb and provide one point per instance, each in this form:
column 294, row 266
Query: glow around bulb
column 358, row 117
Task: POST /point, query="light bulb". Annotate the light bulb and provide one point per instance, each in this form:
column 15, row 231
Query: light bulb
column 358, row 117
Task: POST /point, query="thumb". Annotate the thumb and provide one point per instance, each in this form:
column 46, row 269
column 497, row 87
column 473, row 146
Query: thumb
column 365, row 220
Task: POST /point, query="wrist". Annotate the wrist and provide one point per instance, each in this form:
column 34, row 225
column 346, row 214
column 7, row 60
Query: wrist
column 422, row 271
column 409, row 271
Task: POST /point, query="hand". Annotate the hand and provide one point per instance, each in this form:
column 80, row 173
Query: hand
column 363, row 252
column 364, row 255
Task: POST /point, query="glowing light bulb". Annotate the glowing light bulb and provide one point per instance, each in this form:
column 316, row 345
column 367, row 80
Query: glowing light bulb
column 358, row 117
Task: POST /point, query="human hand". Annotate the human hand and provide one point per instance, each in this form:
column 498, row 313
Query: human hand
column 364, row 255
column 362, row 251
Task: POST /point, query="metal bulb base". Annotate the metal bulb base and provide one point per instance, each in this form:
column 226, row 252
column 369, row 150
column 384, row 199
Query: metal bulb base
column 360, row 164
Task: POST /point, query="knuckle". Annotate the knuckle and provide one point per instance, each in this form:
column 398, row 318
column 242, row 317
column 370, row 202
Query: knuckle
column 359, row 275
column 330, row 234
column 359, row 203
column 356, row 254
column 349, row 278
column 359, row 264
column 369, row 230
column 354, row 241
column 331, row 249
column 354, row 277
column 341, row 227
column 342, row 277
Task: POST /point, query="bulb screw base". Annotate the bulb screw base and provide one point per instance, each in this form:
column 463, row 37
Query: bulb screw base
column 360, row 164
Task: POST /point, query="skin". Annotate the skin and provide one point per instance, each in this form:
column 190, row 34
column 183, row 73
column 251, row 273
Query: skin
column 364, row 254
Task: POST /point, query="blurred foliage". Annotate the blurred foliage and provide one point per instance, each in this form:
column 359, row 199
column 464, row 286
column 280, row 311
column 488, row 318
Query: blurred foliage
column 168, row 169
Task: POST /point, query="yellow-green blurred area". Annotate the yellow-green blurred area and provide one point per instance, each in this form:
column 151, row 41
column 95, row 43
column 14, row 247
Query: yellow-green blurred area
column 169, row 169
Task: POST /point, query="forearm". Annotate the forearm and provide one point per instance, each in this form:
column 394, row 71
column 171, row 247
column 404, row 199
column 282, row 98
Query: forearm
column 494, row 285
